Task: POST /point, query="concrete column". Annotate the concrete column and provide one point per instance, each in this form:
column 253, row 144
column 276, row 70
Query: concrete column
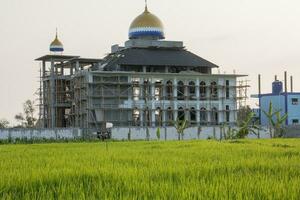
column 187, row 114
column 53, row 96
column 141, row 88
column 72, row 70
column 175, row 88
column 197, row 88
column 142, row 117
column 130, row 103
column 166, row 69
column 186, row 89
column 153, row 103
column 163, row 117
column 77, row 66
column 62, row 69
column 198, row 113
column 44, row 69
column 175, row 112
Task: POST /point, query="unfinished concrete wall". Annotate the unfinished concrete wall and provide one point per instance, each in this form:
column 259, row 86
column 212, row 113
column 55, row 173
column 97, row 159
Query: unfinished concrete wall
column 170, row 133
column 36, row 134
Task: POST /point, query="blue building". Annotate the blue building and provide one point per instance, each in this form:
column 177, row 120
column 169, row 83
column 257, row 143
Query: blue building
column 285, row 102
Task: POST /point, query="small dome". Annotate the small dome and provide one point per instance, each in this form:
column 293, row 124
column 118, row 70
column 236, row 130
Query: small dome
column 146, row 25
column 56, row 45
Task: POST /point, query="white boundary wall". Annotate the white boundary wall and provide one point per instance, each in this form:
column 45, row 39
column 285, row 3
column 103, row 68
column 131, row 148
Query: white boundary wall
column 170, row 133
column 50, row 134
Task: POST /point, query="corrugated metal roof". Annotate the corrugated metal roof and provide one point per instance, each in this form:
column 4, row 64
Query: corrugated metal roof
column 157, row 57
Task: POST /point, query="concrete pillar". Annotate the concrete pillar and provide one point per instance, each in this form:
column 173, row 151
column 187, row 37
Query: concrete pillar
column 142, row 117
column 175, row 88
column 175, row 112
column 130, row 93
column 77, row 66
column 198, row 113
column 164, row 117
column 53, row 96
column 62, row 69
column 44, row 69
column 166, row 69
column 71, row 70
column 186, row 90
column 153, row 103
column 197, row 89
column 141, row 88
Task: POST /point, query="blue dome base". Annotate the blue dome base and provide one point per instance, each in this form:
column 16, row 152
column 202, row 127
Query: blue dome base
column 57, row 49
column 141, row 34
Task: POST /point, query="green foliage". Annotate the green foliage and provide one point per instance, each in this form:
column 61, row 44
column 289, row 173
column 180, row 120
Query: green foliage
column 158, row 133
column 247, row 127
column 243, row 169
column 4, row 123
column 27, row 119
column 180, row 126
column 243, row 114
column 275, row 125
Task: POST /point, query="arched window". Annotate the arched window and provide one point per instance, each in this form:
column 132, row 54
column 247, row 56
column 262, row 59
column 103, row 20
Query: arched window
column 158, row 90
column 227, row 113
column 214, row 90
column 214, row 116
column 202, row 89
column 136, row 116
column 147, row 117
column 158, row 116
column 180, row 90
column 203, row 115
column 170, row 116
column 192, row 90
column 169, row 90
column 136, row 90
column 193, row 115
column 181, row 114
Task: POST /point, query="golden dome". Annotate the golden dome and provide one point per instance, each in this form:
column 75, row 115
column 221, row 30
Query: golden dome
column 146, row 19
column 146, row 25
column 56, row 42
column 56, row 45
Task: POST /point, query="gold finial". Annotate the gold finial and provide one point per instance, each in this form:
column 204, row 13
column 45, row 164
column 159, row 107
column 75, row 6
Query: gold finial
column 146, row 6
column 56, row 35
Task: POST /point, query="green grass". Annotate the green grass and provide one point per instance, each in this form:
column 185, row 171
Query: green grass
column 246, row 169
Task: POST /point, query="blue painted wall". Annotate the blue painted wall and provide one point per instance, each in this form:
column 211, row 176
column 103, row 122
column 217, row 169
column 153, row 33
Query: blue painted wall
column 279, row 104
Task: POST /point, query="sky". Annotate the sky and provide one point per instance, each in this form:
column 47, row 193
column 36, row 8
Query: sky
column 248, row 36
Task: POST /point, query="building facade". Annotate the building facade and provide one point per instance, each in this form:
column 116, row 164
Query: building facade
column 148, row 82
column 285, row 102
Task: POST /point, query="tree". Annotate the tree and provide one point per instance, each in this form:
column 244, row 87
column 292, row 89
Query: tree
column 275, row 125
column 247, row 127
column 27, row 119
column 243, row 113
column 4, row 123
column 180, row 126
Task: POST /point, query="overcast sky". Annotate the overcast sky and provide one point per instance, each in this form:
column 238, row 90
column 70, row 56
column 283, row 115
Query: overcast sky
column 249, row 36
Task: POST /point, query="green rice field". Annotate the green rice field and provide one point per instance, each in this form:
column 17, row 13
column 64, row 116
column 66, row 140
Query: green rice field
column 246, row 169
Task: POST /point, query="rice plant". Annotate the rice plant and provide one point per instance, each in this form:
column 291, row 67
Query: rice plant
column 241, row 169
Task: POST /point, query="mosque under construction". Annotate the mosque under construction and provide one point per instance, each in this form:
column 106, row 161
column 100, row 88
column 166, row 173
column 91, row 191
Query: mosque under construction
column 147, row 82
